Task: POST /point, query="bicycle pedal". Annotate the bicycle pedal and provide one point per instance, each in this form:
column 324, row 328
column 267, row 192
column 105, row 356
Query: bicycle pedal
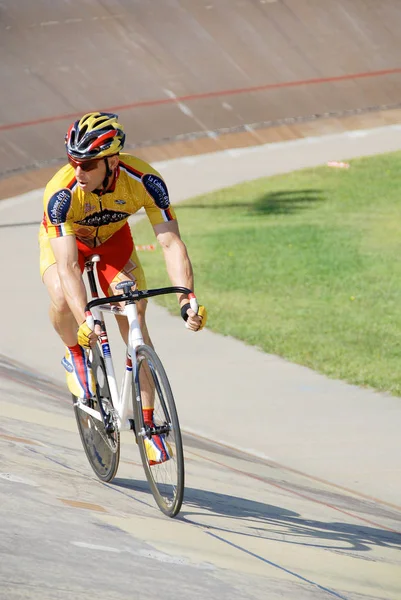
column 110, row 428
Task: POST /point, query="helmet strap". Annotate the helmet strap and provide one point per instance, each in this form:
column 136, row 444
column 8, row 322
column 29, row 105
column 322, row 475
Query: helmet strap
column 105, row 183
column 109, row 173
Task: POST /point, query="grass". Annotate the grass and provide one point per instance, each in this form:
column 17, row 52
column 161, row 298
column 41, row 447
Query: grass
column 306, row 266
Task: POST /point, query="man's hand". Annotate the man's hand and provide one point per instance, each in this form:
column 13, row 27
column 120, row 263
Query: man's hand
column 87, row 338
column 195, row 322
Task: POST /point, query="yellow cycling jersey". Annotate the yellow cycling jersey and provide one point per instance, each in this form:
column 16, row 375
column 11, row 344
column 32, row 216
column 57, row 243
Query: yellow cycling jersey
column 93, row 218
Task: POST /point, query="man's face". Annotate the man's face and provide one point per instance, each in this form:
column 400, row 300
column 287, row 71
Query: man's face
column 89, row 173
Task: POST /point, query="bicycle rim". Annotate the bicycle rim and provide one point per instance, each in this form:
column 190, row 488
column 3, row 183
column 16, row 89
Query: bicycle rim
column 166, row 480
column 101, row 448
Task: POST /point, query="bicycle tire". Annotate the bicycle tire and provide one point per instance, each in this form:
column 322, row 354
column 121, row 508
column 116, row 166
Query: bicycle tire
column 166, row 480
column 102, row 449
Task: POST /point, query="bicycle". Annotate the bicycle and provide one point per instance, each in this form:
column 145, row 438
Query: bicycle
column 101, row 419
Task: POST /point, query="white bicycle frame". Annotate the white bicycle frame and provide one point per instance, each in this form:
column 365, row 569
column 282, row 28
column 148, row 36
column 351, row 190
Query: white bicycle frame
column 121, row 399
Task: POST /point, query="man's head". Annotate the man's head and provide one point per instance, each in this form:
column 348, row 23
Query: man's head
column 93, row 143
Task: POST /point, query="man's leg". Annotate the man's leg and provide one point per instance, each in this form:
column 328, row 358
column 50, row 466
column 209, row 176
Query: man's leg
column 60, row 315
column 145, row 377
column 157, row 448
column 112, row 271
column 79, row 375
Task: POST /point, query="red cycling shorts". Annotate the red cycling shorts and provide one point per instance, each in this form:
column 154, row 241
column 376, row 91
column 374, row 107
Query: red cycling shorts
column 118, row 258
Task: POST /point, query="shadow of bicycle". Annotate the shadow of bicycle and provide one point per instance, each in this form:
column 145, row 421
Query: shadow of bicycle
column 232, row 514
column 235, row 515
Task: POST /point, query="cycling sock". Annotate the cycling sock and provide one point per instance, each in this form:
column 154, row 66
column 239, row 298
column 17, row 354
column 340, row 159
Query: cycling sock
column 75, row 350
column 148, row 416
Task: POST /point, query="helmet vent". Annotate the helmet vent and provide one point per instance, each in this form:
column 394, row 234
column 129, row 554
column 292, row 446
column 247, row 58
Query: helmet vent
column 82, row 132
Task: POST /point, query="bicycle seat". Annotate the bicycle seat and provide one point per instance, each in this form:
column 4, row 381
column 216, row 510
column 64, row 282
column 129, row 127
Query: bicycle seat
column 89, row 262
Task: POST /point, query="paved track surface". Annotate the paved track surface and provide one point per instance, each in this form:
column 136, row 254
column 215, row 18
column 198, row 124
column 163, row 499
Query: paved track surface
column 248, row 529
column 181, row 68
column 312, row 510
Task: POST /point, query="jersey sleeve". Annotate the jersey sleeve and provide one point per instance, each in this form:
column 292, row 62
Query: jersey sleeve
column 156, row 198
column 57, row 203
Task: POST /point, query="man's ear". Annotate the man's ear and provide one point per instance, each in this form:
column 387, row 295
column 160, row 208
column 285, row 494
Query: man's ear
column 113, row 161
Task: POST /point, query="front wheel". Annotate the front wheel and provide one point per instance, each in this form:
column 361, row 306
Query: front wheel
column 166, row 479
column 101, row 442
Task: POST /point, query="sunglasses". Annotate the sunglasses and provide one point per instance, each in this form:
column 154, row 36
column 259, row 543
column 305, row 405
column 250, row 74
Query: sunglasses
column 86, row 165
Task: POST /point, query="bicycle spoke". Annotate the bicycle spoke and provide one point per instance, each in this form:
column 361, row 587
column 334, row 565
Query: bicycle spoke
column 102, row 448
column 166, row 479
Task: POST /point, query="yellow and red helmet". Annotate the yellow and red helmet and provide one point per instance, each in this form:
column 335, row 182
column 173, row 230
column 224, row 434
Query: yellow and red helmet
column 95, row 135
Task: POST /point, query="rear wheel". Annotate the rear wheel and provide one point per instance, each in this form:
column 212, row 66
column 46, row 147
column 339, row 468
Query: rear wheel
column 101, row 442
column 166, row 479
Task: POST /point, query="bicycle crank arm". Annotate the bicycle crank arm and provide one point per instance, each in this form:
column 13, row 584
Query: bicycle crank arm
column 149, row 431
column 93, row 413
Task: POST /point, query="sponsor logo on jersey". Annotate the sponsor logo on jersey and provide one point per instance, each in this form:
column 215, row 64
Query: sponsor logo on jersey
column 157, row 190
column 88, row 207
column 120, row 202
column 104, row 217
column 67, row 365
column 58, row 206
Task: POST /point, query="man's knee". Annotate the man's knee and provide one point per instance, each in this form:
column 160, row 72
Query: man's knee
column 57, row 298
column 59, row 304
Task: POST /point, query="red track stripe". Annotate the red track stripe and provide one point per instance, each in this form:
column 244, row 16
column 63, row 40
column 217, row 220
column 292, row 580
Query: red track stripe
column 248, row 90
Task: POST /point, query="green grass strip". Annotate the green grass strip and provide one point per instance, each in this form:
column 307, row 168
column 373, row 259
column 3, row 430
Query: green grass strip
column 305, row 265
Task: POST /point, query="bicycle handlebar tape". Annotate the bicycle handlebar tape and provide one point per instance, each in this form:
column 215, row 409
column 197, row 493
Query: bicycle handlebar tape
column 184, row 309
column 90, row 321
column 193, row 303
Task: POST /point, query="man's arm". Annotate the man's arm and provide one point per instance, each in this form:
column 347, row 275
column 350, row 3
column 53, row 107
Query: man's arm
column 66, row 255
column 178, row 264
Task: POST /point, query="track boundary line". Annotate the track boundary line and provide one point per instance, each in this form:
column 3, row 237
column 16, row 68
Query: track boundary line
column 216, row 133
column 211, row 94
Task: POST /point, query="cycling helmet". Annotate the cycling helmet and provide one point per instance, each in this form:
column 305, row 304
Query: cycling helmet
column 95, row 135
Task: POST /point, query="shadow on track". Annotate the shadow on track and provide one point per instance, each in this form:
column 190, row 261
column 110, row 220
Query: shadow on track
column 251, row 518
column 257, row 519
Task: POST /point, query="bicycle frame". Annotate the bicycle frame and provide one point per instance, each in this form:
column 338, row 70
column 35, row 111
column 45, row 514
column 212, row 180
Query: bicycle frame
column 121, row 399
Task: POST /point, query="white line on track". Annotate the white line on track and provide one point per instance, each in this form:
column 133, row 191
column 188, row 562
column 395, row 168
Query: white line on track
column 17, row 479
column 96, row 547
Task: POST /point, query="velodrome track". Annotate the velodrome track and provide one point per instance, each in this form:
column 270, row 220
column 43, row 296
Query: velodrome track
column 312, row 510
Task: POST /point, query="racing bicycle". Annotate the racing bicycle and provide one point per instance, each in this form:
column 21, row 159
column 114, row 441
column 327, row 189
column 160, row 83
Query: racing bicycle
column 114, row 409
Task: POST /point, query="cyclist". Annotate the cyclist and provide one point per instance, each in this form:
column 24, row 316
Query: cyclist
column 87, row 204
